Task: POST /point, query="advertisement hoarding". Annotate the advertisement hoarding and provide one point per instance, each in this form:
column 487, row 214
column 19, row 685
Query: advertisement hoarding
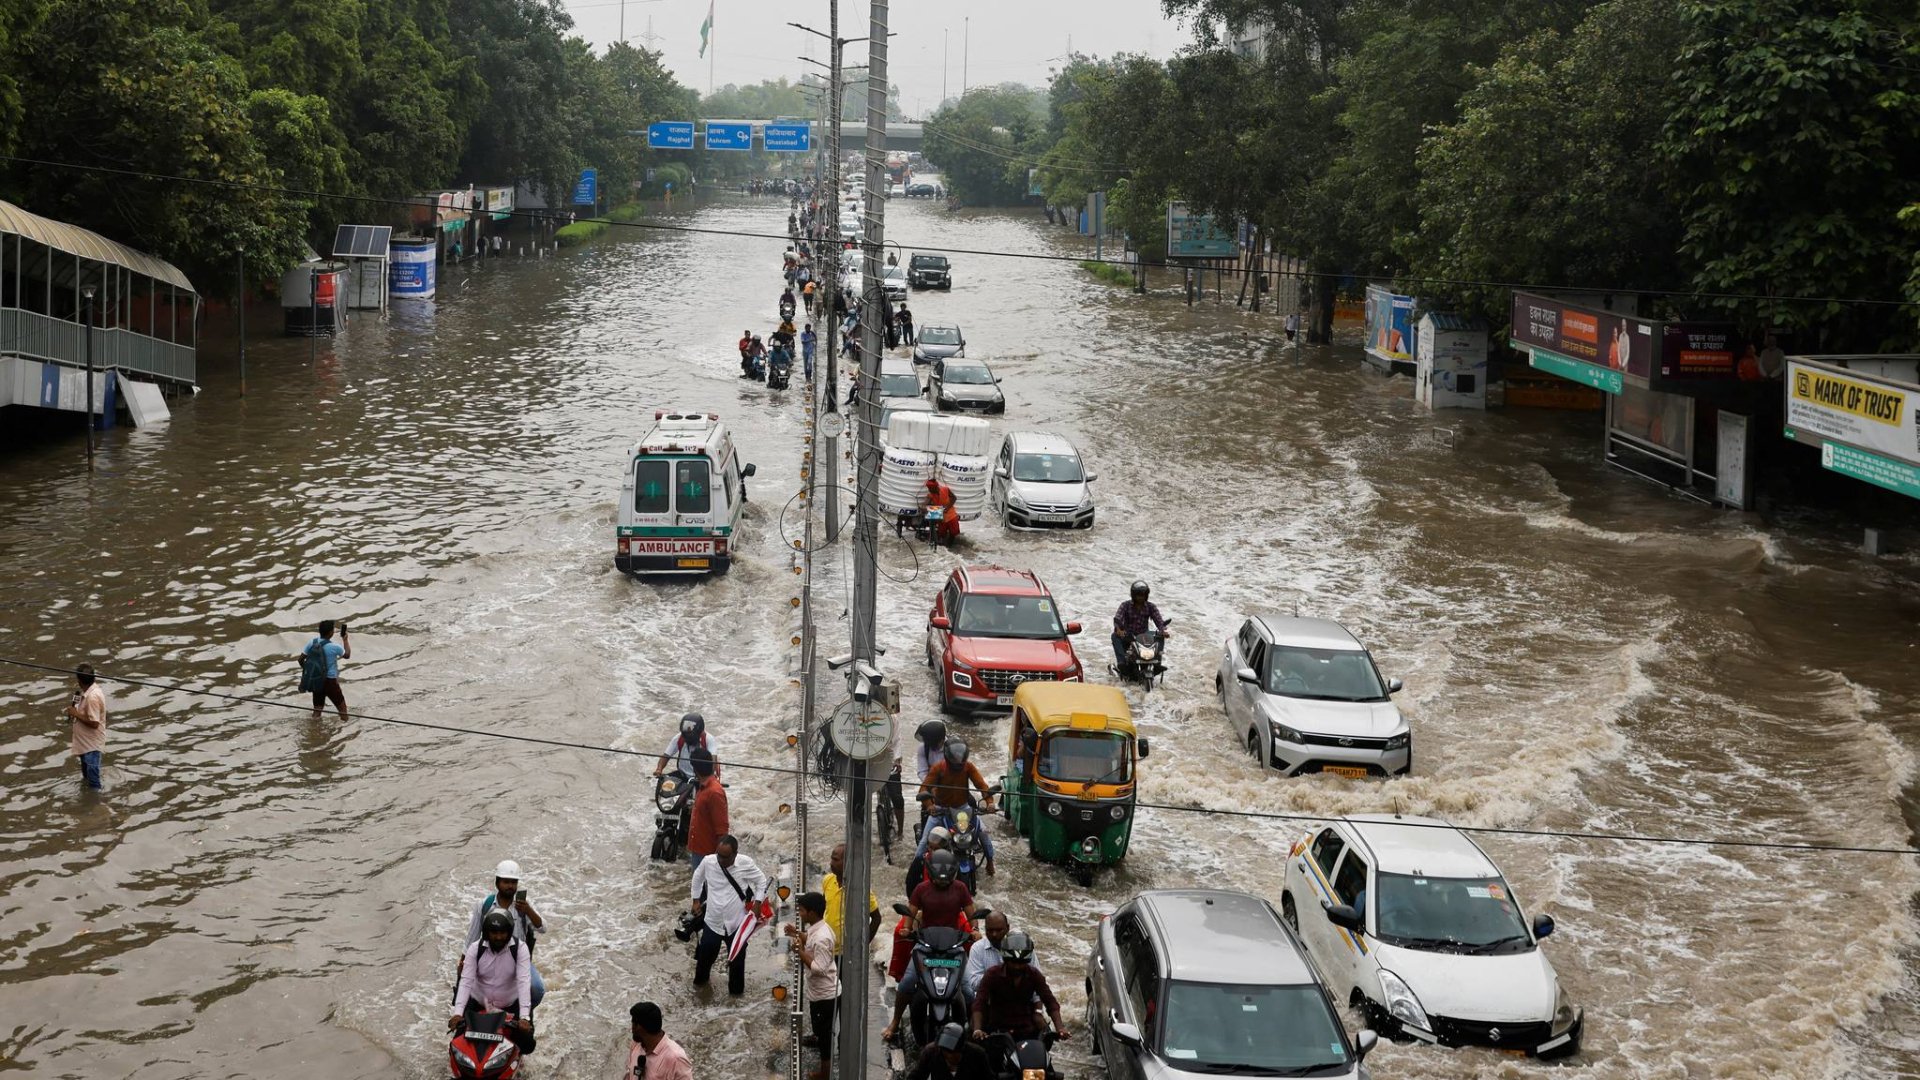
column 1866, row 412
column 1195, row 236
column 1595, row 348
column 1389, row 324
column 1698, row 351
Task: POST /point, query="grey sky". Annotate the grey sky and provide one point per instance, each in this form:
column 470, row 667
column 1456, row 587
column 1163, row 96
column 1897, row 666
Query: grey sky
column 1010, row 40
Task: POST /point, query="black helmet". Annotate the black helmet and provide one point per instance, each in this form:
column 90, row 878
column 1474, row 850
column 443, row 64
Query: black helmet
column 1017, row 948
column 933, row 732
column 496, row 919
column 1140, row 590
column 942, row 867
column 692, row 726
column 956, row 752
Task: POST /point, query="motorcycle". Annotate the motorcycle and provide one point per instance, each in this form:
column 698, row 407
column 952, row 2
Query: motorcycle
column 1021, row 1059
column 672, row 814
column 786, row 310
column 965, row 838
column 483, row 1048
column 753, row 367
column 939, row 958
column 1146, row 657
column 779, row 369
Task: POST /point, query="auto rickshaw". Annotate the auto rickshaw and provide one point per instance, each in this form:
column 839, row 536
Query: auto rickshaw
column 1070, row 783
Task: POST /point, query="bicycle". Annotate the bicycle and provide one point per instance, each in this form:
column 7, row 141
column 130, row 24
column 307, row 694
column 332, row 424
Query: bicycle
column 889, row 811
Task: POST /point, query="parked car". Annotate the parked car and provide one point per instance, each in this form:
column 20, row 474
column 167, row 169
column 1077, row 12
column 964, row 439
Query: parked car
column 929, row 272
column 899, row 379
column 992, row 629
column 966, row 386
column 893, row 283
column 1039, row 482
column 932, row 343
column 1303, row 695
column 1413, row 924
column 1209, row 983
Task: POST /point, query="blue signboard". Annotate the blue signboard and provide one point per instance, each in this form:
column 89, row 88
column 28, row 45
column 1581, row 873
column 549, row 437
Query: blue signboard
column 791, row 138
column 729, row 136
column 670, row 135
column 586, row 192
column 1195, row 236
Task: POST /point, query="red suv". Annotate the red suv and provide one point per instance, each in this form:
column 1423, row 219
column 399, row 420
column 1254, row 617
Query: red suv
column 992, row 629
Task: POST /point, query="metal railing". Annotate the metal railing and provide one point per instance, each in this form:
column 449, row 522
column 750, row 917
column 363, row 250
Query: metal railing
column 42, row 337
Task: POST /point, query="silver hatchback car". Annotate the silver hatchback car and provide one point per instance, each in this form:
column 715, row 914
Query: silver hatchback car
column 1303, row 695
column 1209, row 983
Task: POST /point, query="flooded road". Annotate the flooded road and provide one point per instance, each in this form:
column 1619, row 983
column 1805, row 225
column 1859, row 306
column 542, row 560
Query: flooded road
column 257, row 894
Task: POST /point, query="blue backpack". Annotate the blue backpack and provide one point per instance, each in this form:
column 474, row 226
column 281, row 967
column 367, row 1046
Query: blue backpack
column 313, row 666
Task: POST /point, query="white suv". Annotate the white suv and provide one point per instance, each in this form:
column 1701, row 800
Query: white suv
column 1303, row 696
column 1409, row 921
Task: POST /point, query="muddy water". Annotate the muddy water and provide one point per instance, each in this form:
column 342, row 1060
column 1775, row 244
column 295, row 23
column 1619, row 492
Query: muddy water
column 257, row 893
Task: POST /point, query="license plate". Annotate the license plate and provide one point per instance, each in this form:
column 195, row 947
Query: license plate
column 694, row 564
column 1052, row 517
column 1351, row 772
column 1003, row 699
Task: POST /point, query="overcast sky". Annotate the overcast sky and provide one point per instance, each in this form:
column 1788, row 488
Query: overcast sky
column 993, row 40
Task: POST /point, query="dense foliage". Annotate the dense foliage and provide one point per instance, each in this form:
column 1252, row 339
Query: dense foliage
column 1709, row 154
column 367, row 101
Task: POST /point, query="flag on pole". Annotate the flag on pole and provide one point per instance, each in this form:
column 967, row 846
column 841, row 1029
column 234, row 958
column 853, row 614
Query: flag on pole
column 706, row 28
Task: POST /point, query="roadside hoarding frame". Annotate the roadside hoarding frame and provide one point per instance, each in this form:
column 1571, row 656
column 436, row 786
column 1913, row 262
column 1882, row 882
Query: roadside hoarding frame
column 1196, row 236
column 1865, row 425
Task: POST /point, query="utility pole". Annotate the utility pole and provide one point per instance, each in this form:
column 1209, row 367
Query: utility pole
column 830, row 265
column 87, row 291
column 966, row 50
column 853, row 995
column 943, row 68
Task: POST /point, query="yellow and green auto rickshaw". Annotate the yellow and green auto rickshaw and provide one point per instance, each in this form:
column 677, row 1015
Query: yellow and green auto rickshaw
column 1070, row 783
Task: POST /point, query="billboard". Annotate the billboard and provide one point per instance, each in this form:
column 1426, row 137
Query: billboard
column 1595, row 348
column 1867, row 412
column 1389, row 324
column 1195, row 236
column 1698, row 351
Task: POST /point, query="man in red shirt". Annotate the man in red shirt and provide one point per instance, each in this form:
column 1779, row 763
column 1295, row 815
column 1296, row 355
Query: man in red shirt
column 1003, row 1005
column 938, row 901
column 708, row 822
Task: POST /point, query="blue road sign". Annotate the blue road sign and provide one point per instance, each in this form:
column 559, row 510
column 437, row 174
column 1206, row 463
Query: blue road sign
column 729, row 136
column 789, row 138
column 670, row 135
column 586, row 191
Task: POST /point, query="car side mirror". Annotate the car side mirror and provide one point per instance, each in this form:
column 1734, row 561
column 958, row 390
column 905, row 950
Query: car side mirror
column 1345, row 917
column 1073, row 628
column 1127, row 1034
column 1001, row 472
column 1246, row 675
column 1091, row 477
column 746, row 472
column 1364, row 1042
column 1142, row 748
column 940, row 622
column 996, row 378
column 1394, row 686
column 1542, row 926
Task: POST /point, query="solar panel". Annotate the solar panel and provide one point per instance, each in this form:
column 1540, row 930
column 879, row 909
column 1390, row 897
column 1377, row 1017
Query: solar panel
column 362, row 240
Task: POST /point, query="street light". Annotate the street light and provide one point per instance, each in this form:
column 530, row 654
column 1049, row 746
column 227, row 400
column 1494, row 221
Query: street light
column 87, row 291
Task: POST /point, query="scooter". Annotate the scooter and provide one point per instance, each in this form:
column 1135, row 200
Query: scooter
column 672, row 814
column 1021, row 1059
column 939, row 958
column 481, row 1049
column 1146, row 657
column 786, row 310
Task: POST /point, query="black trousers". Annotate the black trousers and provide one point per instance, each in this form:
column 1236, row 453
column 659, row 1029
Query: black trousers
column 820, row 1014
column 710, row 947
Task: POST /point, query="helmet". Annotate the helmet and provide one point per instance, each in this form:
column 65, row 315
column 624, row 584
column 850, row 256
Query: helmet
column 1017, row 948
column 933, row 732
column 952, row 1036
column 507, row 869
column 496, row 921
column 938, row 835
column 692, row 726
column 956, row 752
column 1140, row 590
column 942, row 867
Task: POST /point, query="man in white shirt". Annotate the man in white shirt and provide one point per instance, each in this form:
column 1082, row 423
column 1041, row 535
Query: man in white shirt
column 822, row 974
column 722, row 889
column 679, row 753
column 985, row 955
column 496, row 975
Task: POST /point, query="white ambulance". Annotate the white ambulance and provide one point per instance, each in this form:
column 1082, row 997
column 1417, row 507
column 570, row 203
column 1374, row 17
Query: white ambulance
column 681, row 498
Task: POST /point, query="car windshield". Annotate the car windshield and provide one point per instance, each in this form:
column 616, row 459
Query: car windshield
column 1252, row 1030
column 934, row 262
column 1048, row 468
column 1469, row 915
column 888, row 273
column 983, row 615
column 939, row 335
column 899, row 384
column 967, row 374
column 1322, row 674
column 1083, row 757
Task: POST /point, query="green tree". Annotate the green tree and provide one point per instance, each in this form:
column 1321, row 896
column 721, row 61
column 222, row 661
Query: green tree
column 985, row 142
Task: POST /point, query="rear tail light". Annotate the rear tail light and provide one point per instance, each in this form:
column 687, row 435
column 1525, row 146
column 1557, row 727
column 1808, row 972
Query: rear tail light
column 720, row 546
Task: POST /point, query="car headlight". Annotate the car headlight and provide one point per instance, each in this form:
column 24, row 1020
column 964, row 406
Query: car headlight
column 959, row 664
column 1014, row 499
column 1563, row 1013
column 1283, row 733
column 946, row 397
column 1399, row 742
column 1401, row 1004
column 963, row 680
column 1086, row 500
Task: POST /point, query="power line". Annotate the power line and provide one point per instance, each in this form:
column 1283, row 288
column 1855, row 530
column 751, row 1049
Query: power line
column 1262, row 815
column 1335, row 275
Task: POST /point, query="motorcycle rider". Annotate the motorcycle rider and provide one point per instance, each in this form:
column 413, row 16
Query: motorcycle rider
column 986, row 954
column 746, row 353
column 947, row 821
column 1003, row 1005
column 933, row 742
column 1132, row 618
column 946, row 781
column 951, row 1057
column 525, row 924
column 936, row 840
column 495, row 976
column 941, row 900
column 692, row 735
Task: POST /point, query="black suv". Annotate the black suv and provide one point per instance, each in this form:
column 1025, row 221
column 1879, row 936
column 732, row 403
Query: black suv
column 929, row 272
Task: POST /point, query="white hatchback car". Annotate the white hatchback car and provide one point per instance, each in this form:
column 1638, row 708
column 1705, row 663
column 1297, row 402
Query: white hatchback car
column 1302, row 696
column 1409, row 921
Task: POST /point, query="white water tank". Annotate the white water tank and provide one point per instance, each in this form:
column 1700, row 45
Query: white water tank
column 903, row 478
column 936, row 433
column 967, row 476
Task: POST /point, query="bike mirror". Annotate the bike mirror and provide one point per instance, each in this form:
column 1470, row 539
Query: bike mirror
column 901, row 909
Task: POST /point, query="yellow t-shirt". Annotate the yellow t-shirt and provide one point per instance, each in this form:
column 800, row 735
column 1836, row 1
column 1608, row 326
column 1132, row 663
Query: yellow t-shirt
column 830, row 889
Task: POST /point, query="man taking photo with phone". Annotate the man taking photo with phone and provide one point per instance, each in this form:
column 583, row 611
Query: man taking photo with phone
column 509, row 897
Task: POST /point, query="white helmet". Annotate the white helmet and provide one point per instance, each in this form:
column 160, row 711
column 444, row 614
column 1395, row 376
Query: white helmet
column 507, row 869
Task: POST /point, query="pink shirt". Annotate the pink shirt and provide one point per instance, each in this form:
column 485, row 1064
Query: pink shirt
column 667, row 1062
column 496, row 979
column 93, row 702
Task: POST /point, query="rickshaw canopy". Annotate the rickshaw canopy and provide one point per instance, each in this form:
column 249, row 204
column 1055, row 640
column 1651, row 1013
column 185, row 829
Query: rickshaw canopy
column 1085, row 706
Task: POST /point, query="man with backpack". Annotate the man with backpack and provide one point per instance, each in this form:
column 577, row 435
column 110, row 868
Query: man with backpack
column 679, row 753
column 320, row 668
column 728, row 890
column 509, row 897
